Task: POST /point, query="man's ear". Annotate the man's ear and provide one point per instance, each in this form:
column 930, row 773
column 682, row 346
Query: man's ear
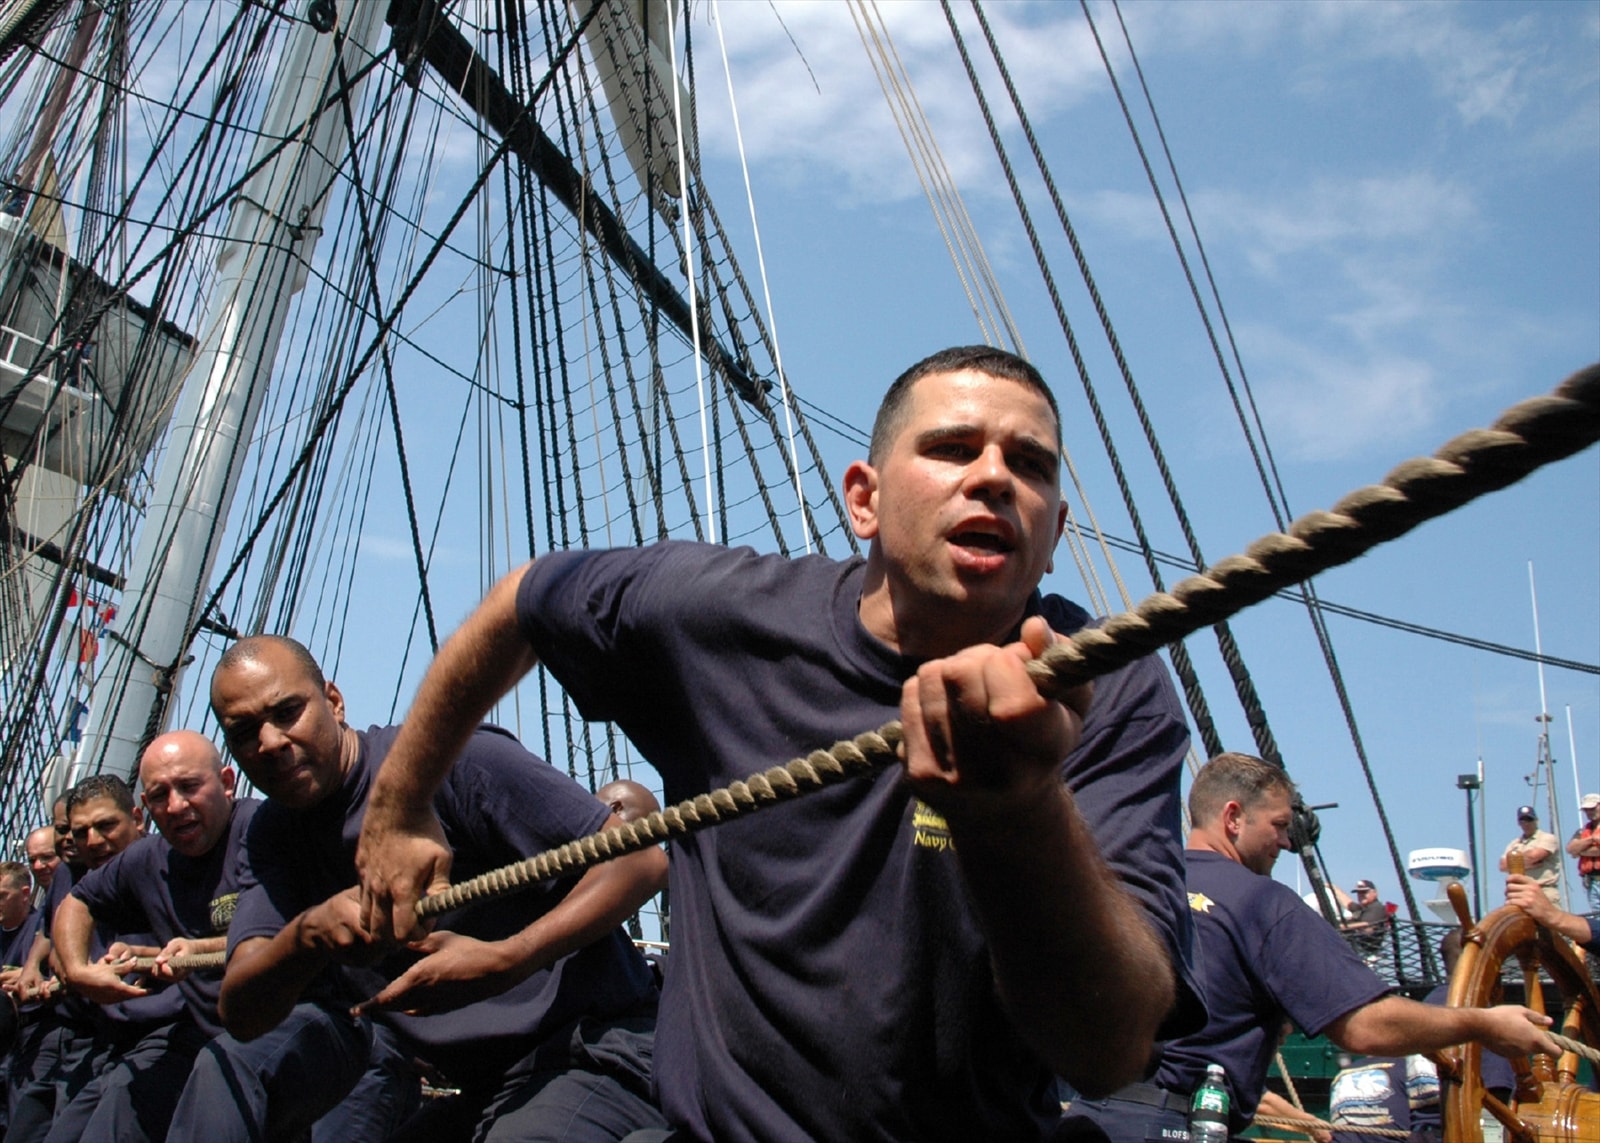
column 1061, row 528
column 229, row 780
column 1232, row 819
column 861, row 499
column 335, row 700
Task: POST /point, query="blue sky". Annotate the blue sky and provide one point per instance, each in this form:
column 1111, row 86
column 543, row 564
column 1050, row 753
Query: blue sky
column 1401, row 204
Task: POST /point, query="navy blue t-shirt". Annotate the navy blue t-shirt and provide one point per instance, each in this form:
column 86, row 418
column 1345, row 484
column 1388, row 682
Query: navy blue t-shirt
column 151, row 887
column 828, row 978
column 499, row 805
column 15, row 943
column 60, row 886
column 162, row 1006
column 1263, row 957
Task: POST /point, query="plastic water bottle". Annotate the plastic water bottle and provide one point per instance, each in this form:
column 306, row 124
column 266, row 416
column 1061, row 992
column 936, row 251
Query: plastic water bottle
column 1208, row 1111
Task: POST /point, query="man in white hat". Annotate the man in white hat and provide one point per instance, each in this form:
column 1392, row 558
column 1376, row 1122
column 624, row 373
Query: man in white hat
column 1366, row 919
column 1585, row 846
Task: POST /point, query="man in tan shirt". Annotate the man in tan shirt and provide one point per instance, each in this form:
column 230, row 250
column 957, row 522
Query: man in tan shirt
column 1538, row 849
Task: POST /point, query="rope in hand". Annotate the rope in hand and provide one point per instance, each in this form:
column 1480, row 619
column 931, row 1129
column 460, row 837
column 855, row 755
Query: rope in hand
column 1530, row 434
column 193, row 962
column 1571, row 1045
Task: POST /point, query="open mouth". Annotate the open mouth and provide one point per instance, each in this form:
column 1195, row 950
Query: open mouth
column 982, row 541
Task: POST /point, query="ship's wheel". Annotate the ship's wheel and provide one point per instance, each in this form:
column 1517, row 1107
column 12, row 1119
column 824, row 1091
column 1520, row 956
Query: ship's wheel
column 1548, row 1105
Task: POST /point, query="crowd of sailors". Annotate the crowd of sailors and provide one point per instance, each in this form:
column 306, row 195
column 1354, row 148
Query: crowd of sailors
column 929, row 953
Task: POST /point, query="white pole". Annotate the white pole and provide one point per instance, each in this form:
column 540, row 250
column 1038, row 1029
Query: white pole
column 1572, row 752
column 1538, row 645
column 1545, row 760
column 272, row 231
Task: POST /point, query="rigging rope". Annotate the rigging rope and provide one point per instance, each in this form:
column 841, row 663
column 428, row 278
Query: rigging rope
column 1278, row 503
column 1188, row 678
column 1529, row 434
column 691, row 272
column 766, row 289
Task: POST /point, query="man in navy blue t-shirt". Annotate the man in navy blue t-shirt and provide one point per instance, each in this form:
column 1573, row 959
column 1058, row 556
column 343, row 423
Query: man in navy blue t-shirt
column 906, row 956
column 82, row 1035
column 537, row 1006
column 178, row 887
column 1266, row 958
column 19, row 920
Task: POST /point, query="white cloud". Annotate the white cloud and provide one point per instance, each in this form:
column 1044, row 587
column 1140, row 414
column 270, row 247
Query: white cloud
column 386, row 549
column 816, row 102
column 1330, row 218
column 1325, row 406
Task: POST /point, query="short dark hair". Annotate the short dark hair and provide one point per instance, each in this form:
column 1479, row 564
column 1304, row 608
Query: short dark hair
column 1231, row 777
column 18, row 874
column 101, row 786
column 977, row 358
column 248, row 650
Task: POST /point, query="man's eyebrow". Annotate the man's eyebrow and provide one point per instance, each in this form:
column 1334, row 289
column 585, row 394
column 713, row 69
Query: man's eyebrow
column 1040, row 449
column 945, row 432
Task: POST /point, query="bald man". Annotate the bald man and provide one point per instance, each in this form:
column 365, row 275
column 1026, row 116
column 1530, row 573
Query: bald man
column 40, row 849
column 179, row 887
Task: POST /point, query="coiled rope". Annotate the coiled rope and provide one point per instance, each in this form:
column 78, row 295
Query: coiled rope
column 1530, row 434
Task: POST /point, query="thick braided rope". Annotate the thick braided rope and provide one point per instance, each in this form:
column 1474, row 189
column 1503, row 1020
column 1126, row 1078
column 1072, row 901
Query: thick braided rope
column 1307, row 1125
column 1571, row 1045
column 194, row 962
column 1529, row 434
column 860, row 755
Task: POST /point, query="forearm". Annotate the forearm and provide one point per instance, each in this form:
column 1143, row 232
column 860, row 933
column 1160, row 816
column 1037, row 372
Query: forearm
column 475, row 667
column 1395, row 1026
column 603, row 898
column 72, row 929
column 38, row 954
column 266, row 977
column 1078, row 967
column 1569, row 925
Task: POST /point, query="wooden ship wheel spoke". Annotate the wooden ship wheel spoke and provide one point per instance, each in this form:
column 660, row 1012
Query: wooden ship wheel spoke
column 1548, row 1105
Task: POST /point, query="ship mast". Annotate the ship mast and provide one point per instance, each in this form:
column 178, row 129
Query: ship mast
column 272, row 230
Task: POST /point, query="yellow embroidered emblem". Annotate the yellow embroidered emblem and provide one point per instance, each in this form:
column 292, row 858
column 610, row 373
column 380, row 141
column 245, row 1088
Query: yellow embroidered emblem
column 931, row 831
column 1200, row 903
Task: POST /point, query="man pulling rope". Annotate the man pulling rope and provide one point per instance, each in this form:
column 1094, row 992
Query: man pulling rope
column 936, row 880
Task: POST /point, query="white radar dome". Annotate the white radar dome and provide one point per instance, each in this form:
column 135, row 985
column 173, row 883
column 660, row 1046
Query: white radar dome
column 1445, row 867
column 1438, row 864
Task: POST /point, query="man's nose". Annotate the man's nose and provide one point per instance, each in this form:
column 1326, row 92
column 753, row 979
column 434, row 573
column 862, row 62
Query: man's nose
column 270, row 738
column 990, row 471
